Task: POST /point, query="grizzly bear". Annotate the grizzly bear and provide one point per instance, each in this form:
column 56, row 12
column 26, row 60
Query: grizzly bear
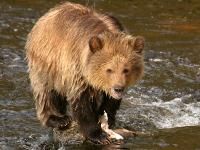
column 80, row 62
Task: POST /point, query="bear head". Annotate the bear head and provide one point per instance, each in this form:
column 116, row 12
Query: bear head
column 115, row 62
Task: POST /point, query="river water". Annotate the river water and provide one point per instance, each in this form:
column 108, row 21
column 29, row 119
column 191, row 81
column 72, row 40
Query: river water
column 164, row 106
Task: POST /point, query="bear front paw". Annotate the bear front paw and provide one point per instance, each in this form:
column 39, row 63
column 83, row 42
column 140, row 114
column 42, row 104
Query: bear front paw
column 61, row 123
column 102, row 139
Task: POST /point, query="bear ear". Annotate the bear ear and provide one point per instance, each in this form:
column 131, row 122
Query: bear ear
column 96, row 43
column 138, row 44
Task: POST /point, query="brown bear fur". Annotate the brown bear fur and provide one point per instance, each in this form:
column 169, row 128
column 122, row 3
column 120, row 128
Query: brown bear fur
column 76, row 55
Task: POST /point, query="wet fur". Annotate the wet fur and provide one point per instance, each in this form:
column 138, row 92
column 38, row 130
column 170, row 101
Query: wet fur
column 87, row 110
column 58, row 57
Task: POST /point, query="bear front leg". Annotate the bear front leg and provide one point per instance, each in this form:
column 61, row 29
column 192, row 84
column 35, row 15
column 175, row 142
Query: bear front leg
column 111, row 105
column 51, row 109
column 84, row 111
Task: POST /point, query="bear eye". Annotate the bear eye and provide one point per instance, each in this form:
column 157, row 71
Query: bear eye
column 125, row 71
column 109, row 71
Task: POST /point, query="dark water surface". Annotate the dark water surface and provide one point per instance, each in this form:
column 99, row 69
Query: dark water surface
column 165, row 105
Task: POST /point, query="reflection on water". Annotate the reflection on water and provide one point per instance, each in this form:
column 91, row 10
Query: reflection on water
column 167, row 97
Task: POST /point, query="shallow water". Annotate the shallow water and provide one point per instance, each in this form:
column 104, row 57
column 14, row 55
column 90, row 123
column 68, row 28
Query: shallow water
column 164, row 106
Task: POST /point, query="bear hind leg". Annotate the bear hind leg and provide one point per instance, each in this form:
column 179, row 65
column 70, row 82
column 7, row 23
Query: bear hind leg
column 52, row 110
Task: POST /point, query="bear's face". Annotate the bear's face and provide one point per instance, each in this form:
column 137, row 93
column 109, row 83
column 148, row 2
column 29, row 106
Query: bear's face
column 116, row 62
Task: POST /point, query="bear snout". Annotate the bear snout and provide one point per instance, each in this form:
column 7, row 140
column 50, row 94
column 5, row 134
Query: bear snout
column 117, row 91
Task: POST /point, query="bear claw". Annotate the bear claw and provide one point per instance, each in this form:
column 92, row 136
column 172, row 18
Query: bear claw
column 61, row 123
column 103, row 140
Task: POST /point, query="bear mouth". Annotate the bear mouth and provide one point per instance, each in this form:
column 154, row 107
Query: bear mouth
column 117, row 94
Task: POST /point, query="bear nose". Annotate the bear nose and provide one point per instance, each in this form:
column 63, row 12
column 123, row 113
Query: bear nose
column 119, row 89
